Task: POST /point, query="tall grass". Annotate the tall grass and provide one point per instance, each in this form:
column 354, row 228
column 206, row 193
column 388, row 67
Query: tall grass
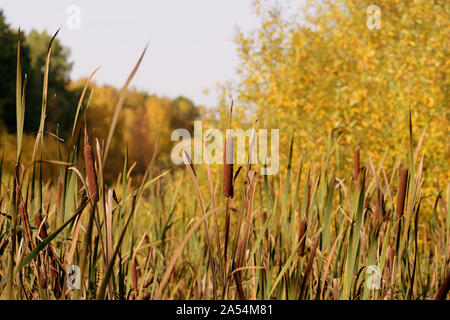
column 300, row 234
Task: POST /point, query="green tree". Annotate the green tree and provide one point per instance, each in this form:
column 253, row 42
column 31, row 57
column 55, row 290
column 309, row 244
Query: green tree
column 62, row 102
column 8, row 64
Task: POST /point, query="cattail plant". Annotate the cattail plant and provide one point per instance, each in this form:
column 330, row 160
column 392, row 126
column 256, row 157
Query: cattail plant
column 401, row 195
column 228, row 191
column 93, row 195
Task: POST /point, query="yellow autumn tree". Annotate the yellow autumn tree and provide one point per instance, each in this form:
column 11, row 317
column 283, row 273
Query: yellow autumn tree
column 323, row 74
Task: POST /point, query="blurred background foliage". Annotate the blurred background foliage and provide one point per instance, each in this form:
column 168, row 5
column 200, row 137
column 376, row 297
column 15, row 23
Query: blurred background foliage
column 144, row 127
column 319, row 73
column 323, row 75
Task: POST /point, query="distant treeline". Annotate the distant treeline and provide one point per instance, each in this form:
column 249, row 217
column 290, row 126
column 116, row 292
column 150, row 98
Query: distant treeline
column 143, row 119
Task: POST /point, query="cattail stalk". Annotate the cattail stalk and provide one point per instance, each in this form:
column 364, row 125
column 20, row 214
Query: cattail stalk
column 92, row 185
column 228, row 192
column 401, row 195
column 227, row 230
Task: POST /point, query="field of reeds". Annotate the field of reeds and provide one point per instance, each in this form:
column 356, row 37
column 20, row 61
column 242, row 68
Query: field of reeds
column 216, row 233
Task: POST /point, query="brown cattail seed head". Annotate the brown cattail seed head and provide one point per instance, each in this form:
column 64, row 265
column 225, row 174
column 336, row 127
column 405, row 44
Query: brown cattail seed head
column 367, row 202
column 90, row 168
column 401, row 195
column 387, row 215
column 362, row 180
column 356, row 168
column 444, row 288
column 42, row 227
column 391, row 257
column 303, row 227
column 228, row 157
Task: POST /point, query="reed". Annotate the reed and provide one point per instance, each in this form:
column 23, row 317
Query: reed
column 228, row 191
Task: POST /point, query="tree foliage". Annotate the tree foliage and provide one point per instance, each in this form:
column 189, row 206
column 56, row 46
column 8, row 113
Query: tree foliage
column 61, row 99
column 144, row 128
column 8, row 58
column 145, row 123
column 327, row 75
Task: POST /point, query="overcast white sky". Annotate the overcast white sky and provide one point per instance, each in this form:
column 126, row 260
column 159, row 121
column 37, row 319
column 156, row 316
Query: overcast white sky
column 190, row 42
